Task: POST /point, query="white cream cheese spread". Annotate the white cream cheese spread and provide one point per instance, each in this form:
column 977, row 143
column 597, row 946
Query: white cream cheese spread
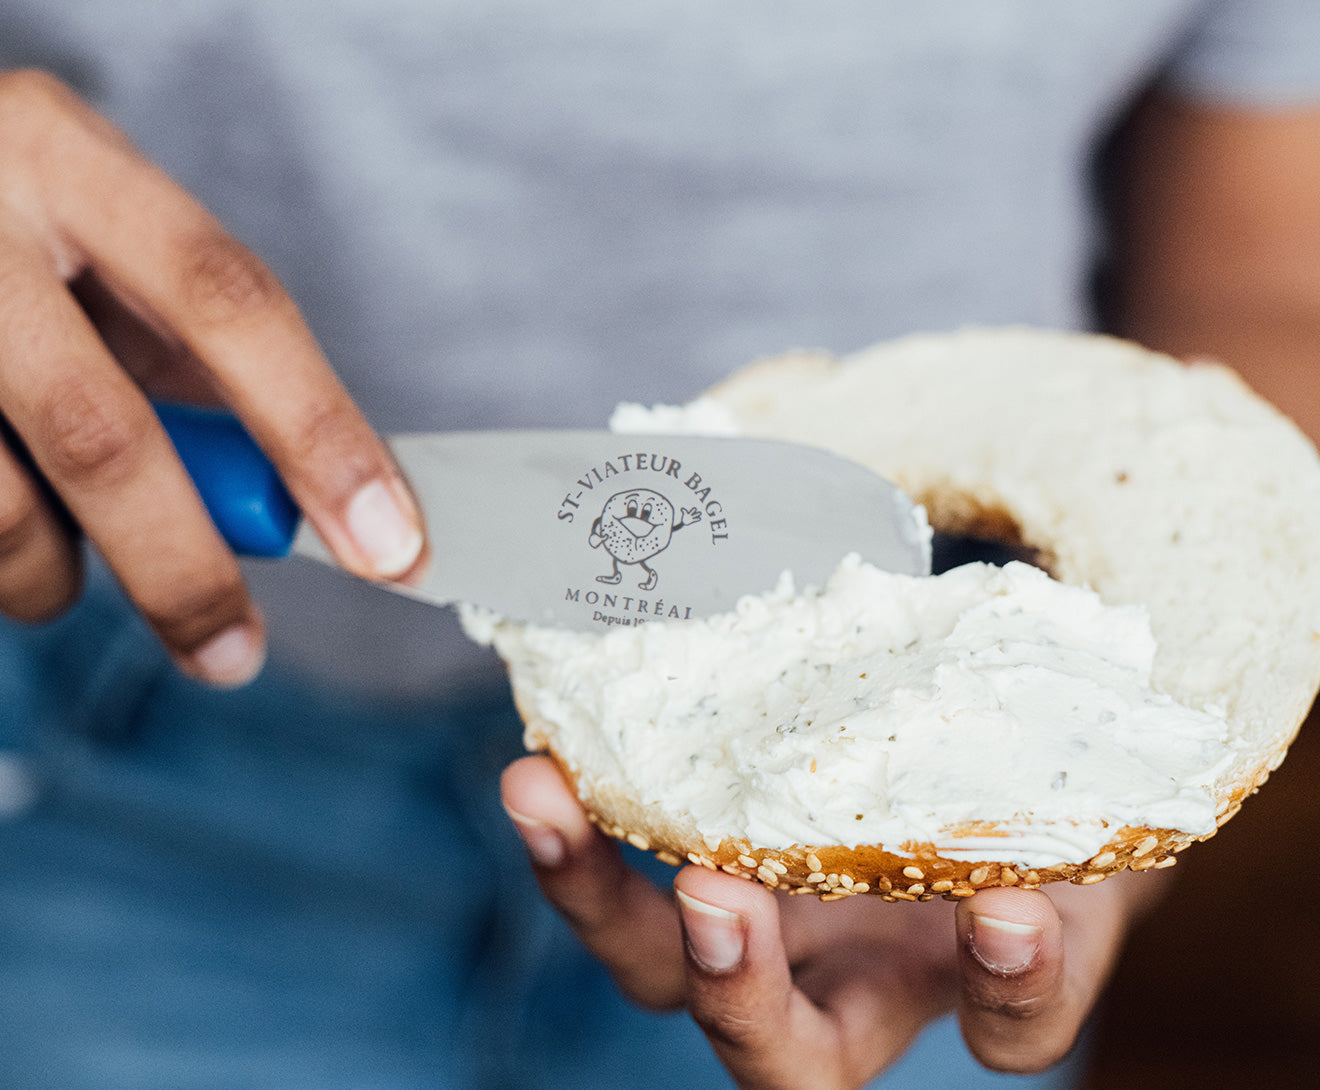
column 884, row 709
column 993, row 713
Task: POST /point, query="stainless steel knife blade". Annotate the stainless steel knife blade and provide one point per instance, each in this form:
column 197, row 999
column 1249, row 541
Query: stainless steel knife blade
column 592, row 529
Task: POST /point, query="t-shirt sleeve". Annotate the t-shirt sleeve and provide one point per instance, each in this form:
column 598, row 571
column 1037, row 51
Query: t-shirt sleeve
column 1251, row 52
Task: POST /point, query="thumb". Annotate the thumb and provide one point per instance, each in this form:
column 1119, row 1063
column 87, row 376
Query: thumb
column 1016, row 1010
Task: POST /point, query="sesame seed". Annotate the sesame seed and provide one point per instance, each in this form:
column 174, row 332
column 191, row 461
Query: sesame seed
column 729, row 868
column 916, row 889
column 979, row 875
column 1103, row 860
column 668, row 857
column 1143, row 864
column 815, row 877
column 860, row 887
column 638, row 841
column 832, row 880
column 846, row 881
column 962, row 891
column 1146, row 846
column 1167, row 861
column 1008, row 876
column 941, row 887
column 776, row 866
column 902, row 896
column 1091, row 879
column 748, row 861
column 833, row 896
column 913, row 872
column 814, row 863
column 769, row 877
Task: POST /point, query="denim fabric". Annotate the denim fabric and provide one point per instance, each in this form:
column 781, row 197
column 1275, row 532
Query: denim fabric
column 271, row 888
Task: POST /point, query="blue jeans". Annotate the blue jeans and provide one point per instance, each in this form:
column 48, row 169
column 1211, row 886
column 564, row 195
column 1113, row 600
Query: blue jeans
column 273, row 888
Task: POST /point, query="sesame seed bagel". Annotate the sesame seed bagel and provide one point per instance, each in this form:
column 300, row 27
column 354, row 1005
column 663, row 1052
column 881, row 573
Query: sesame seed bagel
column 1165, row 489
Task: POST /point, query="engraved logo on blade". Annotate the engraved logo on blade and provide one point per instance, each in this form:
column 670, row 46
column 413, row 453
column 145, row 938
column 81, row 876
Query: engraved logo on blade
column 637, row 503
column 634, row 527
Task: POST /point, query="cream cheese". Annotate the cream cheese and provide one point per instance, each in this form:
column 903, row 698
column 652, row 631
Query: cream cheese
column 878, row 709
column 884, row 709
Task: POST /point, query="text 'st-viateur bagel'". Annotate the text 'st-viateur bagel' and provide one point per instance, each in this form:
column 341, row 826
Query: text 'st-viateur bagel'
column 990, row 725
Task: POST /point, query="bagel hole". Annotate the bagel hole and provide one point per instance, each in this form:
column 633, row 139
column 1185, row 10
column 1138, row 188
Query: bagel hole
column 953, row 551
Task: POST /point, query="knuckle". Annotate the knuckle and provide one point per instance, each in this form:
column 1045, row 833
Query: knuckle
column 329, row 439
column 88, row 435
column 1005, row 1003
column 30, row 93
column 726, row 1026
column 224, row 281
column 186, row 619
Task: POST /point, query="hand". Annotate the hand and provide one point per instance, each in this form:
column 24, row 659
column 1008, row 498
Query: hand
column 116, row 284
column 790, row 990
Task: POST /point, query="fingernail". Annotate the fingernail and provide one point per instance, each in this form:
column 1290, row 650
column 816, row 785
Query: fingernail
column 1004, row 946
column 716, row 937
column 232, row 658
column 544, row 843
column 384, row 528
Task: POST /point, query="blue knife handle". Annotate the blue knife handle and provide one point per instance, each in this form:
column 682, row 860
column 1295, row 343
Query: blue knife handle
column 246, row 498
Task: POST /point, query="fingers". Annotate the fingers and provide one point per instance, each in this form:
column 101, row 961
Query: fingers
column 1029, row 981
column 40, row 571
column 77, row 203
column 628, row 924
column 153, row 245
column 96, row 441
column 844, row 1009
column 741, row 989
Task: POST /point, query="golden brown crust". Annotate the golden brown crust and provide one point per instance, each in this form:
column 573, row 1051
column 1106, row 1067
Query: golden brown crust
column 833, row 872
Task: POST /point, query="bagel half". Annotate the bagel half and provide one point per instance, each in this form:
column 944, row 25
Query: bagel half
column 1158, row 492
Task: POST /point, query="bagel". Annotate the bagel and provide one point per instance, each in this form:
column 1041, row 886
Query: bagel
column 987, row 726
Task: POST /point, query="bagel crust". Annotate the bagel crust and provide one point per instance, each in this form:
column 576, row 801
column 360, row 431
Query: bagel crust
column 1153, row 483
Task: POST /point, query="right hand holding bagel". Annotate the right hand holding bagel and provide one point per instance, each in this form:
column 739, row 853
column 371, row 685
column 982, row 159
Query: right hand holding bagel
column 116, row 285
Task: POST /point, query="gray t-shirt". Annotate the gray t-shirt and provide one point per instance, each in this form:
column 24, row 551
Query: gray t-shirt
column 522, row 213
